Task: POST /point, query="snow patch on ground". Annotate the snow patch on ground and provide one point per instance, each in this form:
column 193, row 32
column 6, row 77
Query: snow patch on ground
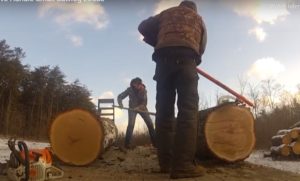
column 257, row 157
column 5, row 152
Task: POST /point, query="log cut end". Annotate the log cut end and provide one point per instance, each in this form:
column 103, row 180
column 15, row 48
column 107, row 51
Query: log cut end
column 278, row 140
column 282, row 150
column 76, row 137
column 295, row 147
column 229, row 133
column 294, row 133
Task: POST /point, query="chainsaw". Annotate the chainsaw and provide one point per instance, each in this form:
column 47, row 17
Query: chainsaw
column 30, row 165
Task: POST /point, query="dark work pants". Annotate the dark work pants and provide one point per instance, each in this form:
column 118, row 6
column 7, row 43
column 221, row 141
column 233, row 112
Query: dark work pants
column 176, row 140
column 131, row 123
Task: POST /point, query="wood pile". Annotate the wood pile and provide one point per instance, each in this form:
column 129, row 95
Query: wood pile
column 286, row 144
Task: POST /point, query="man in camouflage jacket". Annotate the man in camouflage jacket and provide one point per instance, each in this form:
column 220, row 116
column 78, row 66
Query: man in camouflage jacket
column 178, row 36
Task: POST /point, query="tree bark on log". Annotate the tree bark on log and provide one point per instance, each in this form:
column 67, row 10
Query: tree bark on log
column 110, row 133
column 78, row 138
column 226, row 132
column 278, row 140
column 281, row 150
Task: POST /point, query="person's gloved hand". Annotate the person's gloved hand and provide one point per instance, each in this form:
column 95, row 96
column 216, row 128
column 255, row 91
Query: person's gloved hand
column 121, row 106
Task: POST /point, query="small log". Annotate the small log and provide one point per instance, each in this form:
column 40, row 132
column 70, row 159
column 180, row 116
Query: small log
column 278, row 140
column 295, row 147
column 78, row 138
column 282, row 150
column 226, row 133
column 283, row 132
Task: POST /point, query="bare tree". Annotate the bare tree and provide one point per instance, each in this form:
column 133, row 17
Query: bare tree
column 243, row 82
column 203, row 102
column 271, row 91
column 254, row 94
column 286, row 98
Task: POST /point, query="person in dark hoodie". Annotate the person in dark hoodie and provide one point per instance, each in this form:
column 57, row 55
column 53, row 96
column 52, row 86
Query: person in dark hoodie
column 138, row 104
column 178, row 35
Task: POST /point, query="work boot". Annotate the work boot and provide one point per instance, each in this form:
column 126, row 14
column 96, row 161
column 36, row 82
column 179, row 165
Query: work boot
column 196, row 172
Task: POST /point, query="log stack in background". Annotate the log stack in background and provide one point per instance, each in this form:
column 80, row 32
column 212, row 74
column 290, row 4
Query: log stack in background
column 286, row 144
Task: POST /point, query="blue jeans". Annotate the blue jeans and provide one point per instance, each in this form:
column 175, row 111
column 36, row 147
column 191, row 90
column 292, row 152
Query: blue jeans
column 176, row 138
column 131, row 123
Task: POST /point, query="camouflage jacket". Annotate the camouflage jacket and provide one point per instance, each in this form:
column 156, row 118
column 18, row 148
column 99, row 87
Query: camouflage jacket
column 177, row 26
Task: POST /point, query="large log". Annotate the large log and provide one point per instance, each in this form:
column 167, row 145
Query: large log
column 78, row 138
column 278, row 140
column 281, row 150
column 226, row 132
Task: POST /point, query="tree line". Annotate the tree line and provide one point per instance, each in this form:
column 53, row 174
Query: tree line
column 275, row 108
column 31, row 99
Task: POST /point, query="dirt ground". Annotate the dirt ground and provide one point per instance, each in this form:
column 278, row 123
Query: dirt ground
column 141, row 164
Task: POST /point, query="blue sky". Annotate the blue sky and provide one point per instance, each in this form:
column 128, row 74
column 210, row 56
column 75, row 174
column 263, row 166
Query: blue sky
column 98, row 43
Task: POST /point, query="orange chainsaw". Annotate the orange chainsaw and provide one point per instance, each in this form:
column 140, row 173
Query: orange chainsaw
column 33, row 165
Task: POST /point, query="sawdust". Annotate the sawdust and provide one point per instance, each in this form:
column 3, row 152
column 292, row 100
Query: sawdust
column 141, row 164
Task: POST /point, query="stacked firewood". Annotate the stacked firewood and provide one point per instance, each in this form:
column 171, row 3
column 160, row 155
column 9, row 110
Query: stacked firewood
column 286, row 143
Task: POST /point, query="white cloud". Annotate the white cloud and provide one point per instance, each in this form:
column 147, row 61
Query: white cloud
column 107, row 95
column 165, row 4
column 260, row 11
column 76, row 40
column 266, row 68
column 269, row 12
column 290, row 79
column 259, row 33
column 66, row 14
